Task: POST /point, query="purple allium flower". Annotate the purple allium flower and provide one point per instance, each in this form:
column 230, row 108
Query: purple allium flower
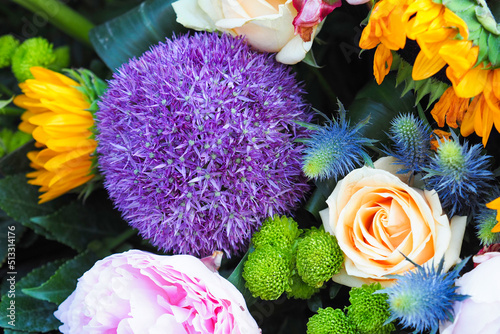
column 197, row 143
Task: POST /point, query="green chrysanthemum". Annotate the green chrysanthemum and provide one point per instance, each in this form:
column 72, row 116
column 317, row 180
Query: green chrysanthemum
column 300, row 289
column 8, row 45
column 319, row 257
column 267, row 272
column 37, row 51
column 369, row 311
column 276, row 231
column 330, row 321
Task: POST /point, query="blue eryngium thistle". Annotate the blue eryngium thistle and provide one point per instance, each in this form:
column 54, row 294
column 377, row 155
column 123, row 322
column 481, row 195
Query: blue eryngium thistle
column 334, row 149
column 422, row 298
column 411, row 139
column 485, row 220
column 460, row 175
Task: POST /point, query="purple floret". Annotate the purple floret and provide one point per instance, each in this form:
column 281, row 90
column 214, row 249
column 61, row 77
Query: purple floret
column 196, row 143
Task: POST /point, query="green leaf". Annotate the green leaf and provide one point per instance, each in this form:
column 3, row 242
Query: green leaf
column 77, row 224
column 4, row 103
column 238, row 281
column 459, row 6
column 16, row 161
column 334, row 290
column 494, row 49
column 20, row 201
column 314, row 303
column 132, row 33
column 437, row 92
column 10, row 234
column 382, row 103
column 31, row 315
column 63, row 282
column 483, row 46
column 425, row 88
column 310, row 60
column 317, row 202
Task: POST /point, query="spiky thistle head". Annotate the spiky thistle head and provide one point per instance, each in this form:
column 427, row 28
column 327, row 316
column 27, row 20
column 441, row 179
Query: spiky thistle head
column 422, row 298
column 330, row 320
column 8, row 45
column 460, row 174
column 411, row 138
column 335, row 148
column 486, row 220
column 369, row 311
column 198, row 142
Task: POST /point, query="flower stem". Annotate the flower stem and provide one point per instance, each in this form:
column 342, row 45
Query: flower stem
column 121, row 238
column 325, row 86
column 61, row 16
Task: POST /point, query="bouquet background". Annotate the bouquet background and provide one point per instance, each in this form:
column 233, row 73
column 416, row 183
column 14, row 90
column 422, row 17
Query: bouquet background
column 55, row 241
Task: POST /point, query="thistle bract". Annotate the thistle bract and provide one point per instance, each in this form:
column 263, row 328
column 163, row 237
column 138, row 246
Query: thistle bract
column 197, row 143
column 460, row 174
column 411, row 139
column 335, row 148
column 422, row 298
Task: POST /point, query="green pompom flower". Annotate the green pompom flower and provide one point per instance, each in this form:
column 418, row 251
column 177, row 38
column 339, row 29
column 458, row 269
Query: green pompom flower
column 330, row 321
column 276, row 231
column 267, row 272
column 369, row 311
column 318, row 257
column 37, row 51
column 300, row 289
column 8, row 45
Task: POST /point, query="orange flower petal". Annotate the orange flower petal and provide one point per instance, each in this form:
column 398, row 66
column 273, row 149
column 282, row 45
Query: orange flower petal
column 453, row 20
column 425, row 67
column 45, row 75
column 460, row 55
column 470, row 84
column 467, row 126
column 382, row 63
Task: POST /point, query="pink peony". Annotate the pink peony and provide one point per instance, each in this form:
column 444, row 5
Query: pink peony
column 480, row 313
column 140, row 292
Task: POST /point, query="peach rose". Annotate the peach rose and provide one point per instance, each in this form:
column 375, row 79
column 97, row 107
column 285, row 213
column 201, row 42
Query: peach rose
column 267, row 25
column 375, row 217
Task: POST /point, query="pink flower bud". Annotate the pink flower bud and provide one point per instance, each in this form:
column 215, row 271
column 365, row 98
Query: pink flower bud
column 310, row 14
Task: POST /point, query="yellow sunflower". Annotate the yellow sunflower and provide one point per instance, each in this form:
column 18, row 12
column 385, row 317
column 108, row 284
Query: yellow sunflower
column 58, row 118
column 444, row 39
column 432, row 25
column 385, row 30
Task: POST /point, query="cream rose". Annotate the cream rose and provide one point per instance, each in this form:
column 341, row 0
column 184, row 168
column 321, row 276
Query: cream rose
column 375, row 217
column 266, row 24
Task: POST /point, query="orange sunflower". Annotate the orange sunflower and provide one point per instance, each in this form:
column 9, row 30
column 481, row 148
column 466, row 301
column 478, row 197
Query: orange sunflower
column 432, row 25
column 473, row 102
column 57, row 116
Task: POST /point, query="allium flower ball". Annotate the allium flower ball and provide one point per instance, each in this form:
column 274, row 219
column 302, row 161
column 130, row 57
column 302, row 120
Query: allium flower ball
column 197, row 142
column 140, row 292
